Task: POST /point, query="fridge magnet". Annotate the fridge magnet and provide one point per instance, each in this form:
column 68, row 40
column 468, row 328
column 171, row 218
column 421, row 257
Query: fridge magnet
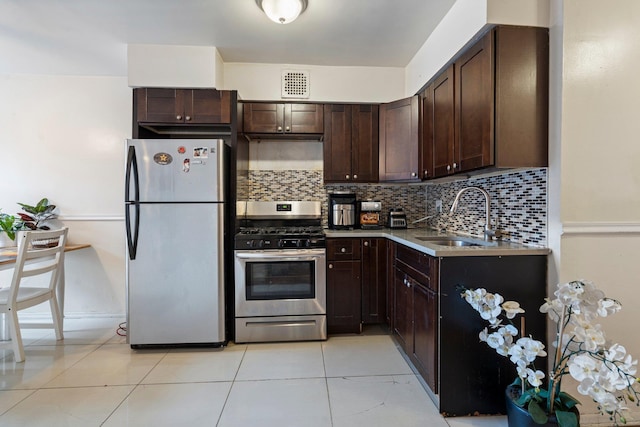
column 201, row 152
column 186, row 165
column 162, row 158
column 181, row 149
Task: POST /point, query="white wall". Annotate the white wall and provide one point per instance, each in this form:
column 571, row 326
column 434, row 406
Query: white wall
column 461, row 26
column 339, row 84
column 596, row 193
column 174, row 66
column 63, row 137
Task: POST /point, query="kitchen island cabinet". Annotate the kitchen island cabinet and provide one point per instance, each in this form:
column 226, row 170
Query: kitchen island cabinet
column 351, row 143
column 438, row 331
column 416, row 310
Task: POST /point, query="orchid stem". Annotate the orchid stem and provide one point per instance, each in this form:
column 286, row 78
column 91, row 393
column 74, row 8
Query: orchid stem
column 557, row 356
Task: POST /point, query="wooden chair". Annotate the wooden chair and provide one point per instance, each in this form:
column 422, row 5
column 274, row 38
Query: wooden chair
column 34, row 261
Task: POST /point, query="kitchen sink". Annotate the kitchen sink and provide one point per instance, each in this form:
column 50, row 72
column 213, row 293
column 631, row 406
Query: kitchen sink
column 453, row 241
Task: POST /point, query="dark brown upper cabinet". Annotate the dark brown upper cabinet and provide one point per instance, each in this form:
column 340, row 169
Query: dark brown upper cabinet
column 490, row 107
column 351, row 143
column 399, row 140
column 437, row 149
column 277, row 119
column 189, row 106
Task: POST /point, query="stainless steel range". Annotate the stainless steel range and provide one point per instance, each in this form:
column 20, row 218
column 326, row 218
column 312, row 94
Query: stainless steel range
column 280, row 278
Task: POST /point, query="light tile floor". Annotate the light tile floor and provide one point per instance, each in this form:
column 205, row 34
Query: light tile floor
column 93, row 378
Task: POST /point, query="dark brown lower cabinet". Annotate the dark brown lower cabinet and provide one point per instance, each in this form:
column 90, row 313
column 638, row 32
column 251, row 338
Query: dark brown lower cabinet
column 403, row 313
column 438, row 330
column 374, row 280
column 344, row 286
column 425, row 333
column 356, row 283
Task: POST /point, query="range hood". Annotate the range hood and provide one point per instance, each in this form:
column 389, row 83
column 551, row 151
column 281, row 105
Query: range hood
column 316, row 137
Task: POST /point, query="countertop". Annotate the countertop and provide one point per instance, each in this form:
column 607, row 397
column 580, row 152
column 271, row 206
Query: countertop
column 409, row 237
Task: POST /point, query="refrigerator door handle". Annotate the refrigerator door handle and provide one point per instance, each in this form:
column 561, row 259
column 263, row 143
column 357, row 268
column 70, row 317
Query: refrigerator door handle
column 132, row 169
column 132, row 238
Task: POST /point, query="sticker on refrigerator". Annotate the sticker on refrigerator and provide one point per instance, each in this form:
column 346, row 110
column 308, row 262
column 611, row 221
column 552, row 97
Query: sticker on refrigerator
column 186, row 165
column 201, row 152
column 162, row 158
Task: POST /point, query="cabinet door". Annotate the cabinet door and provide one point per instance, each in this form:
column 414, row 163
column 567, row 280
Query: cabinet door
column 343, row 297
column 441, row 132
column 403, row 310
column 303, row 118
column 474, row 115
column 425, row 343
column 204, row 106
column 398, row 160
column 263, row 117
column 343, row 249
column 337, row 143
column 157, row 105
column 390, row 303
column 365, row 142
column 374, row 280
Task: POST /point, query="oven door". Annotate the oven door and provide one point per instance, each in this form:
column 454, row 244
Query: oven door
column 287, row 282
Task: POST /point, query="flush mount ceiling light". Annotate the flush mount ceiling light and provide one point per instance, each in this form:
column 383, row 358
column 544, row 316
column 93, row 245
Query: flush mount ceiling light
column 282, row 11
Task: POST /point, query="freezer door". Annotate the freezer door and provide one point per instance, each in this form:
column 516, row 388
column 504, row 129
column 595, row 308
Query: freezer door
column 175, row 285
column 175, row 170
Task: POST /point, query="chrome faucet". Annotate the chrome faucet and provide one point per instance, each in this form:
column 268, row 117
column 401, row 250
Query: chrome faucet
column 489, row 233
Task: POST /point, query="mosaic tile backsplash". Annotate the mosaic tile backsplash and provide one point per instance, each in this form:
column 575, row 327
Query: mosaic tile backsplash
column 518, row 200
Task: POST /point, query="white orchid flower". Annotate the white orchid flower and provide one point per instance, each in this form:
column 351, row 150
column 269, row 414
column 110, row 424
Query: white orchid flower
column 511, row 308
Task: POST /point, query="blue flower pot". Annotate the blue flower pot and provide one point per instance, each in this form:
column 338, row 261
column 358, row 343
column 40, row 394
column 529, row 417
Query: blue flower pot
column 519, row 417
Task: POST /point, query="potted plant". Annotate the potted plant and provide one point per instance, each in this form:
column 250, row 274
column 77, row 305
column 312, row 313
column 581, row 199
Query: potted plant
column 9, row 225
column 36, row 216
column 605, row 372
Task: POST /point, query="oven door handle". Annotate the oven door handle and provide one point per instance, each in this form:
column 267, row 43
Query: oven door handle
column 283, row 257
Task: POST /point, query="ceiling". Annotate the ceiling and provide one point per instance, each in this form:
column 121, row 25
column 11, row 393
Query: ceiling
column 89, row 37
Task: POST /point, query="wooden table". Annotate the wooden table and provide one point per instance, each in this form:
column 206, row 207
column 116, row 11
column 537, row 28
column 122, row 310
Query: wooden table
column 8, row 257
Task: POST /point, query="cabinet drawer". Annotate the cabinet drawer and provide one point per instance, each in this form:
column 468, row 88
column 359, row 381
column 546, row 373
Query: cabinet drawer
column 416, row 264
column 343, row 249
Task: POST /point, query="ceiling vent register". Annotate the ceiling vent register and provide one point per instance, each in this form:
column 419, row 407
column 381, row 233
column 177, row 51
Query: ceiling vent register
column 295, row 84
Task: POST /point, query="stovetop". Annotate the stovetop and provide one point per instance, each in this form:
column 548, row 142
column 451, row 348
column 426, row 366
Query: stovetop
column 282, row 231
column 279, row 225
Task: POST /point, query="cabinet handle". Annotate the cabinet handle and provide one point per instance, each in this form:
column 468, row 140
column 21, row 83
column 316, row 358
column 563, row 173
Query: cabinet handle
column 288, row 129
column 187, row 118
column 455, row 166
column 425, row 173
column 355, row 176
column 279, row 128
column 330, row 265
column 407, row 283
column 448, row 168
column 414, row 174
column 178, row 117
column 366, row 243
column 343, row 250
column 347, row 177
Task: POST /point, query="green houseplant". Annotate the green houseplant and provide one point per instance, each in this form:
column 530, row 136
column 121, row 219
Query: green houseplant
column 34, row 217
column 605, row 372
column 9, row 224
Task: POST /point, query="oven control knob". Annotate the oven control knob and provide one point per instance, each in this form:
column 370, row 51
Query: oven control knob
column 257, row 243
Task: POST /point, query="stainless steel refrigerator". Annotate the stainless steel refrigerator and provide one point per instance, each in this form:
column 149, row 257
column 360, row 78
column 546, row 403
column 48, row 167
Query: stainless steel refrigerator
column 175, row 223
